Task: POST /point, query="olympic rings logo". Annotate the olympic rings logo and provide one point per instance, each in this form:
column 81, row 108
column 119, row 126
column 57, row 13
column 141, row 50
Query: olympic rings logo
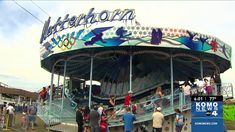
column 67, row 43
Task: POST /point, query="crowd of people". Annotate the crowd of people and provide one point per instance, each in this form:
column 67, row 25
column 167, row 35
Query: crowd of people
column 158, row 120
column 8, row 113
column 92, row 120
column 203, row 87
column 96, row 119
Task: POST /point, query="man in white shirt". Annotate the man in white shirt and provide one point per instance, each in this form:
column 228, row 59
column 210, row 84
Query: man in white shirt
column 199, row 83
column 10, row 110
column 158, row 119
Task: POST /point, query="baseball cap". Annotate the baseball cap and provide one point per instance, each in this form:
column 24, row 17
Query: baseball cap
column 159, row 108
column 130, row 91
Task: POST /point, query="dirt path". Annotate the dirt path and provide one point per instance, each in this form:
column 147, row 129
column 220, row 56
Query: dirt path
column 230, row 124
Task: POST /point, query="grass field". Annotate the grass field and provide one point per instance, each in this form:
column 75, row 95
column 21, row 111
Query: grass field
column 229, row 116
column 229, row 112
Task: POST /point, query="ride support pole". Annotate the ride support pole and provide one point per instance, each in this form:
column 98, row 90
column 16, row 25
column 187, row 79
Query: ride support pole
column 91, row 69
column 50, row 97
column 130, row 89
column 63, row 91
column 172, row 86
column 201, row 68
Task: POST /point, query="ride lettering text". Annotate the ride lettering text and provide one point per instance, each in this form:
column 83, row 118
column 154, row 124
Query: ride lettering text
column 82, row 19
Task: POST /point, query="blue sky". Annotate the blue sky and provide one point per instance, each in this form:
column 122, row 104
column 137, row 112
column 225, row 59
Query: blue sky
column 20, row 32
column 13, row 18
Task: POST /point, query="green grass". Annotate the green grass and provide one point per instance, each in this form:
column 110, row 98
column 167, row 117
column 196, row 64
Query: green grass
column 229, row 112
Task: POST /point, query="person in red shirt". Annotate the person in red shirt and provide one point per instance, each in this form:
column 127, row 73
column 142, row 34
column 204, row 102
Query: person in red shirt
column 42, row 94
column 103, row 122
column 128, row 98
column 134, row 108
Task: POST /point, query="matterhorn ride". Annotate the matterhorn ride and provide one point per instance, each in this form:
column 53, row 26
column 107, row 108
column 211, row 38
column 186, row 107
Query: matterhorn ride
column 111, row 47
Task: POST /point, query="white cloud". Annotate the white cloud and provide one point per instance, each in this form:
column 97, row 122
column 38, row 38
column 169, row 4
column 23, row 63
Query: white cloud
column 21, row 58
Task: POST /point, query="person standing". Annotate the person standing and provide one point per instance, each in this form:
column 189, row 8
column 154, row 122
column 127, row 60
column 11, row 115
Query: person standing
column 111, row 105
column 199, row 84
column 217, row 81
column 32, row 112
column 128, row 119
column 2, row 116
column 134, row 108
column 24, row 120
column 79, row 119
column 47, row 94
column 86, row 118
column 159, row 96
column 13, row 120
column 179, row 120
column 42, row 95
column 127, row 101
column 100, row 109
column 10, row 110
column 207, row 87
column 158, row 119
column 104, row 122
column 186, row 90
column 94, row 120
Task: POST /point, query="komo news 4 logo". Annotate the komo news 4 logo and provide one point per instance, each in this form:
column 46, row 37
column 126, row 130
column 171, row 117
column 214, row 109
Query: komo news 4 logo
column 207, row 107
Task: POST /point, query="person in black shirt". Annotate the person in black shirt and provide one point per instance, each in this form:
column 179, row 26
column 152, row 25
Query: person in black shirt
column 79, row 119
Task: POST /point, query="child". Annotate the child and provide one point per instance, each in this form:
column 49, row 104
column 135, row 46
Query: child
column 24, row 120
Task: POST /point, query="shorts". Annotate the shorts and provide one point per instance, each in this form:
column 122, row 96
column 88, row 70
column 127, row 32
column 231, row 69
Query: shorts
column 32, row 118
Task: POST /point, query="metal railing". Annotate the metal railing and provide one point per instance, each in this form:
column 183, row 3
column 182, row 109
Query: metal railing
column 145, row 109
column 226, row 90
column 143, row 112
column 55, row 116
